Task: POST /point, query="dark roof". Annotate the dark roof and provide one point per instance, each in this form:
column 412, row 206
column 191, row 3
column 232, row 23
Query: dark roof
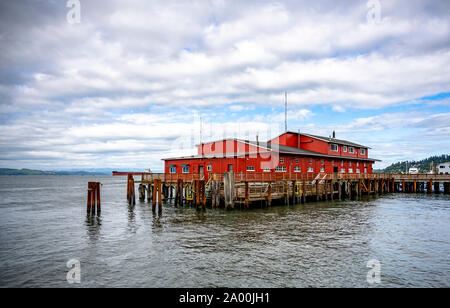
column 271, row 147
column 291, row 150
column 330, row 140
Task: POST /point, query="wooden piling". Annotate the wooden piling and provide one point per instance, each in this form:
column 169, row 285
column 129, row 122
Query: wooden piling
column 89, row 198
column 246, row 194
column 269, row 194
column 99, row 205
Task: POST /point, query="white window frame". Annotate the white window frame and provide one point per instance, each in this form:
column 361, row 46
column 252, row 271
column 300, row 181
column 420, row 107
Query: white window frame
column 280, row 169
column 344, row 148
column 209, row 168
column 350, row 170
column 358, row 171
column 310, row 169
column 322, row 169
column 351, row 150
column 185, row 169
column 362, row 151
column 332, row 145
column 297, row 169
column 251, row 168
column 281, row 160
column 342, row 170
column 266, row 169
column 172, row 170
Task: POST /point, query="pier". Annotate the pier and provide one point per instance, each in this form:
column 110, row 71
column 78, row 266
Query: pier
column 247, row 189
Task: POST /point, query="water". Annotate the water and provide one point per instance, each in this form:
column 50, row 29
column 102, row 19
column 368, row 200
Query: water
column 43, row 224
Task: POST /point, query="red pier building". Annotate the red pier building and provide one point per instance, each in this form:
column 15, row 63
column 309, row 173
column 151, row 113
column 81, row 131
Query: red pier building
column 290, row 152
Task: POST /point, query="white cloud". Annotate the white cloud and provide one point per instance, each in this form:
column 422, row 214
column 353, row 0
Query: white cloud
column 132, row 74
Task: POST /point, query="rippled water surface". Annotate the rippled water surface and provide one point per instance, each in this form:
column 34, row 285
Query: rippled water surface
column 43, row 224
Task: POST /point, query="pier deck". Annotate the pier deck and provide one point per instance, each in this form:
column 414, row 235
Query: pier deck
column 230, row 189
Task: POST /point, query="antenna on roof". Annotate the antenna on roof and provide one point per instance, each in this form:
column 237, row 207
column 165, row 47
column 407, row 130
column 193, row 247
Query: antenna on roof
column 285, row 111
column 201, row 145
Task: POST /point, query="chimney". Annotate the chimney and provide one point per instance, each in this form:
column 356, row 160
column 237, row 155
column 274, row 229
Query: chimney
column 257, row 140
column 334, row 134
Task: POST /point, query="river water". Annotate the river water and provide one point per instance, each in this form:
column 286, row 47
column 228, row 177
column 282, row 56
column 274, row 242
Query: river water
column 43, row 225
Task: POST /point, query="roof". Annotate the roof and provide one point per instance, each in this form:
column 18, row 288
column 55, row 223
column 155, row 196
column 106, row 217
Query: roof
column 270, row 147
column 291, row 150
column 329, row 140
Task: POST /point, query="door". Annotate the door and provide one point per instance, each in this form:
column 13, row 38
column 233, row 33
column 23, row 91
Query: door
column 201, row 173
column 230, row 168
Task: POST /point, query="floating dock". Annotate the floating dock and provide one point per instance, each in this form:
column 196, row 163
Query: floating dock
column 232, row 190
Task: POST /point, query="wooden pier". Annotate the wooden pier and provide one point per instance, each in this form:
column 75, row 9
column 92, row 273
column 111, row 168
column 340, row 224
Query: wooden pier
column 264, row 189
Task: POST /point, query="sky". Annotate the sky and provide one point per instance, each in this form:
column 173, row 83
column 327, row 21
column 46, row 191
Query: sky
column 131, row 82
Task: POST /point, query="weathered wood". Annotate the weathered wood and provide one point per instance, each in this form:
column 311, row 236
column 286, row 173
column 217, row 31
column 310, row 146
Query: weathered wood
column 246, row 195
column 89, row 198
column 99, row 208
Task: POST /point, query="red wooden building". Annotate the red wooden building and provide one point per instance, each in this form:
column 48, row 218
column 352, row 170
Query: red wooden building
column 289, row 152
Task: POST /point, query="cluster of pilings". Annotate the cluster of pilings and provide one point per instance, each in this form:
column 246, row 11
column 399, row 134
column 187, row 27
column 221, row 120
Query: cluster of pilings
column 421, row 187
column 93, row 198
column 180, row 193
column 156, row 193
column 229, row 190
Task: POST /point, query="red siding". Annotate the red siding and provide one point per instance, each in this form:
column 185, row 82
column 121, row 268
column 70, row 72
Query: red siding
column 240, row 161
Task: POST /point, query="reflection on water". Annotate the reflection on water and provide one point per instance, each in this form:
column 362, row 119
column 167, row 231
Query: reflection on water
column 318, row 244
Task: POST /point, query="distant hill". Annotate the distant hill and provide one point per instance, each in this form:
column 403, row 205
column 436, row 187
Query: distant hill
column 423, row 165
column 6, row 171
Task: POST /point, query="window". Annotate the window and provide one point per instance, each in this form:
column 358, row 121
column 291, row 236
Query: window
column 334, row 147
column 442, row 167
column 350, row 163
column 342, row 170
column 357, row 164
column 342, row 163
column 173, row 170
column 310, row 160
column 332, row 162
column 310, row 169
column 297, row 169
column 281, row 160
column 296, row 161
column 357, row 171
column 351, row 150
column 362, row 151
column 344, row 148
column 280, row 169
column 185, row 169
column 322, row 162
column 250, row 168
column 322, row 169
column 266, row 169
column 209, row 168
column 350, row 170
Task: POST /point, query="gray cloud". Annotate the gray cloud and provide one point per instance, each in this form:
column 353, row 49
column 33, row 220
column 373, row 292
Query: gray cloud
column 71, row 93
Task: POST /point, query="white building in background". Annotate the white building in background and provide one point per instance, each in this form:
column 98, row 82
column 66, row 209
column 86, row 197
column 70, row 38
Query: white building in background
column 413, row 170
column 443, row 168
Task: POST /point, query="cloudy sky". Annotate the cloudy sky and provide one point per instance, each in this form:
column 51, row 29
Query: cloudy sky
column 136, row 81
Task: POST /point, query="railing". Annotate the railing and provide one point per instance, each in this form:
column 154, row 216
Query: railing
column 284, row 176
